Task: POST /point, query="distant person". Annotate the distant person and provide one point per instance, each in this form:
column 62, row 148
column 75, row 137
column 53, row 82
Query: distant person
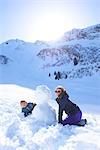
column 75, row 61
column 55, row 73
column 59, row 75
column 73, row 112
column 66, row 76
column 49, row 74
column 56, row 77
column 27, row 108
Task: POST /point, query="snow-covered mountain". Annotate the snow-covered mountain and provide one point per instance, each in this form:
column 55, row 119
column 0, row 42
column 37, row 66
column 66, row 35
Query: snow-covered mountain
column 75, row 55
column 19, row 63
column 77, row 47
column 89, row 33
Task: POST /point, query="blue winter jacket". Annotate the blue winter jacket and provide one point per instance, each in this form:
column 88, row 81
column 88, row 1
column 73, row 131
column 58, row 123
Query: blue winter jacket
column 66, row 105
column 28, row 109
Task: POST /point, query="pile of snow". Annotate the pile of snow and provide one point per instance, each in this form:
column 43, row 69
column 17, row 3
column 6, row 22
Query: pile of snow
column 19, row 133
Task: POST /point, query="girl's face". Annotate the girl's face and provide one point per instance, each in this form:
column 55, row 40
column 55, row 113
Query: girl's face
column 58, row 92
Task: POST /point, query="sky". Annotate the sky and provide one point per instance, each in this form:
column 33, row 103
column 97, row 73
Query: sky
column 32, row 20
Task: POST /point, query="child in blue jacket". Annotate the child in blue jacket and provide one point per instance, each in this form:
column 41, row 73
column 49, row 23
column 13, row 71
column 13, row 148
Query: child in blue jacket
column 27, row 108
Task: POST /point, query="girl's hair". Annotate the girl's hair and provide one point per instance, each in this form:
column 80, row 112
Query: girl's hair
column 61, row 88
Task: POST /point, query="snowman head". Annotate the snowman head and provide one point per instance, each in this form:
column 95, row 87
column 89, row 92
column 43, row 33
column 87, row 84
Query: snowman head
column 43, row 94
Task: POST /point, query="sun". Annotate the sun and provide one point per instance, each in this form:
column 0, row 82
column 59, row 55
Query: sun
column 51, row 27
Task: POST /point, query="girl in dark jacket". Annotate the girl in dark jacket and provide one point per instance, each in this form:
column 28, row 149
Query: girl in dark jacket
column 73, row 112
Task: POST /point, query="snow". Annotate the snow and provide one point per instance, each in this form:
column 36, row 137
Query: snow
column 23, row 78
column 33, row 70
column 40, row 131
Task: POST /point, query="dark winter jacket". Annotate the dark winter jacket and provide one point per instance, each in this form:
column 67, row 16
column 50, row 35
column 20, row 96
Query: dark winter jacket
column 66, row 105
column 28, row 109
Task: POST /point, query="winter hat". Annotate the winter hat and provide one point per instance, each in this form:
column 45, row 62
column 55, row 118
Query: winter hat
column 60, row 87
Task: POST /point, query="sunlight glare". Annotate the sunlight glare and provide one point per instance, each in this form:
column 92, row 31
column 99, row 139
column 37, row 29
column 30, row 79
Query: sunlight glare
column 51, row 27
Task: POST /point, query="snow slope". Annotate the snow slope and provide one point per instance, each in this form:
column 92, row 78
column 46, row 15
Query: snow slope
column 80, row 44
column 19, row 133
column 24, row 69
column 28, row 64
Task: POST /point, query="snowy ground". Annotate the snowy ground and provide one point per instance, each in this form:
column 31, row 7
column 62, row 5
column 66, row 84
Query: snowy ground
column 40, row 131
column 19, row 133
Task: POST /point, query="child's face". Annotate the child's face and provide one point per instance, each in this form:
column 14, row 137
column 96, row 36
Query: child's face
column 23, row 104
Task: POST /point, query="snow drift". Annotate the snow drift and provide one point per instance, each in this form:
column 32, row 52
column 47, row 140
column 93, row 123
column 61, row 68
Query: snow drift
column 19, row 133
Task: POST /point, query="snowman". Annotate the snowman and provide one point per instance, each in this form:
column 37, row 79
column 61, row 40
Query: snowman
column 43, row 111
